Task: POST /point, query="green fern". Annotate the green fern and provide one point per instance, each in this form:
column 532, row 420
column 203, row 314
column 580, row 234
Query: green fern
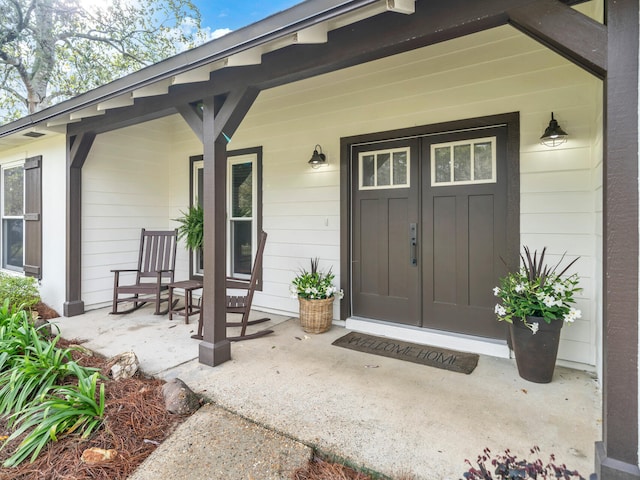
column 192, row 227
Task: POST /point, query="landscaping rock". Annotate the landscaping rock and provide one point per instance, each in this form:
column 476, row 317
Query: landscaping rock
column 124, row 365
column 179, row 398
column 43, row 325
column 93, row 456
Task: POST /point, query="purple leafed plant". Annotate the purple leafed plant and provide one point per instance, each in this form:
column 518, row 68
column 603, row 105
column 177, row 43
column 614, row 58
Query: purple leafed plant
column 507, row 466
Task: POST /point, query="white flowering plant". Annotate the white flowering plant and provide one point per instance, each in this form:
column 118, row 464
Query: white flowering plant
column 314, row 284
column 538, row 290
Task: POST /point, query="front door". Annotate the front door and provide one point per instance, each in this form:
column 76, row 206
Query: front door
column 429, row 230
column 386, row 271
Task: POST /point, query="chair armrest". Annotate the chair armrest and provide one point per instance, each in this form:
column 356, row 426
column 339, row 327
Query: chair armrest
column 125, row 270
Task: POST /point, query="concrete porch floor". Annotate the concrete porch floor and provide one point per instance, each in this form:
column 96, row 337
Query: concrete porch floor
column 387, row 415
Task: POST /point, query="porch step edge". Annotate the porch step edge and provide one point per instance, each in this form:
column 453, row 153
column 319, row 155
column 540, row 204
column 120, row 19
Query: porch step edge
column 453, row 341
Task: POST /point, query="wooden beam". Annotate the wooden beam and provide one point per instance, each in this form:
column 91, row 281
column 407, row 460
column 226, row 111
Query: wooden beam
column 78, row 148
column 215, row 347
column 117, row 102
column 377, row 37
column 193, row 116
column 92, row 111
column 158, row 88
column 233, row 111
column 566, row 31
column 617, row 454
column 315, row 34
column 371, row 39
column 248, row 57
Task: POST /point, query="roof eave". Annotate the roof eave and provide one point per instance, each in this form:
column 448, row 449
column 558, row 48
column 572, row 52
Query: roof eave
column 272, row 28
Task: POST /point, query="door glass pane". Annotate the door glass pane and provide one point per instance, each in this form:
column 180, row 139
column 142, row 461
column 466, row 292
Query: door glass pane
column 13, row 191
column 241, row 247
column 384, row 169
column 443, row 164
column 462, row 163
column 482, row 166
column 368, row 171
column 12, row 244
column 400, row 168
column 241, row 190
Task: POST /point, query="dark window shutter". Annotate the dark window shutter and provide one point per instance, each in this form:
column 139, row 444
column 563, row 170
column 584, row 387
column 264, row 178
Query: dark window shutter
column 33, row 217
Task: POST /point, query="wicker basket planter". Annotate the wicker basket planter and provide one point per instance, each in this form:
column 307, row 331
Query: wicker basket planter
column 316, row 315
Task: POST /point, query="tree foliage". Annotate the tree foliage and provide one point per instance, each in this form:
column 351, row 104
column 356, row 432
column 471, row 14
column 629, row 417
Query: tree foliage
column 52, row 50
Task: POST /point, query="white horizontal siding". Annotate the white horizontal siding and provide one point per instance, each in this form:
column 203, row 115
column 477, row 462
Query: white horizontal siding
column 126, row 186
column 53, row 150
column 491, row 72
column 488, row 73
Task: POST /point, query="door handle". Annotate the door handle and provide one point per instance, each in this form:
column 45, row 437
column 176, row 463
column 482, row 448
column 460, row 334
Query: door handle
column 413, row 244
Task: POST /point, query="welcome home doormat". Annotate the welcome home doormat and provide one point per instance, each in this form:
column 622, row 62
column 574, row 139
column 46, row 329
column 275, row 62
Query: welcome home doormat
column 411, row 352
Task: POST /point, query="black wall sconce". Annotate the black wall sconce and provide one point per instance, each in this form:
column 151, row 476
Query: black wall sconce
column 318, row 158
column 553, row 135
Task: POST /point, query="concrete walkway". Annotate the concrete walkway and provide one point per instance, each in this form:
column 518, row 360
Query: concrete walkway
column 389, row 416
column 216, row 444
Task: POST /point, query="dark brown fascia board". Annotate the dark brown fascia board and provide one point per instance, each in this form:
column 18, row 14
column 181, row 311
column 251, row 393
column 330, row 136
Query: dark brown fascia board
column 271, row 28
column 370, row 39
column 276, row 26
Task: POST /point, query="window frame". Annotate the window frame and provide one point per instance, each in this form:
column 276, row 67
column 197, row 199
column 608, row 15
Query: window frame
column 4, row 167
column 196, row 163
column 375, row 154
column 452, row 145
column 231, row 161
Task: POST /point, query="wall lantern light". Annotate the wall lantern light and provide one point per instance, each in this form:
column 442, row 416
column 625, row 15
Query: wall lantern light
column 318, row 158
column 553, row 135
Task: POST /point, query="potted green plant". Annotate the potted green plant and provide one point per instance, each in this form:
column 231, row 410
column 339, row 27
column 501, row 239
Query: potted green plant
column 537, row 301
column 315, row 293
column 192, row 227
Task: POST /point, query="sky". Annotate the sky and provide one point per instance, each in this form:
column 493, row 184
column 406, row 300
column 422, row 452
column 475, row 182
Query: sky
column 219, row 16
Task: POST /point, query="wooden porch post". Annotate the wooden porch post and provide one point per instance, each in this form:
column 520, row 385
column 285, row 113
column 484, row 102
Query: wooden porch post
column 215, row 348
column 617, row 454
column 78, row 147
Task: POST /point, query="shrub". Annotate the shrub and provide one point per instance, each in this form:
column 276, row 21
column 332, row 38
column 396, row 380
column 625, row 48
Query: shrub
column 32, row 369
column 508, row 467
column 22, row 292
column 64, row 410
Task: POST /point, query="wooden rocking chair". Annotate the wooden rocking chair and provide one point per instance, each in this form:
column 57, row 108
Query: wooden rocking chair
column 241, row 304
column 156, row 265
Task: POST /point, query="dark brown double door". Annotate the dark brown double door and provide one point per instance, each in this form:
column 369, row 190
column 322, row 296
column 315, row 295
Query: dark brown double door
column 429, row 227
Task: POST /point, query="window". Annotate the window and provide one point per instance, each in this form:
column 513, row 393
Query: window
column 384, row 169
column 240, row 207
column 12, row 188
column 243, row 208
column 197, row 187
column 464, row 162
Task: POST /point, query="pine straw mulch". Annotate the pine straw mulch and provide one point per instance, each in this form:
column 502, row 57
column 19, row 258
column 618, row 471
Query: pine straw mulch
column 135, row 423
column 319, row 469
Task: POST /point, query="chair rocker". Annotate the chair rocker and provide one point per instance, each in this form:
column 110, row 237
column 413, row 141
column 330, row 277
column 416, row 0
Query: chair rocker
column 241, row 304
column 156, row 265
